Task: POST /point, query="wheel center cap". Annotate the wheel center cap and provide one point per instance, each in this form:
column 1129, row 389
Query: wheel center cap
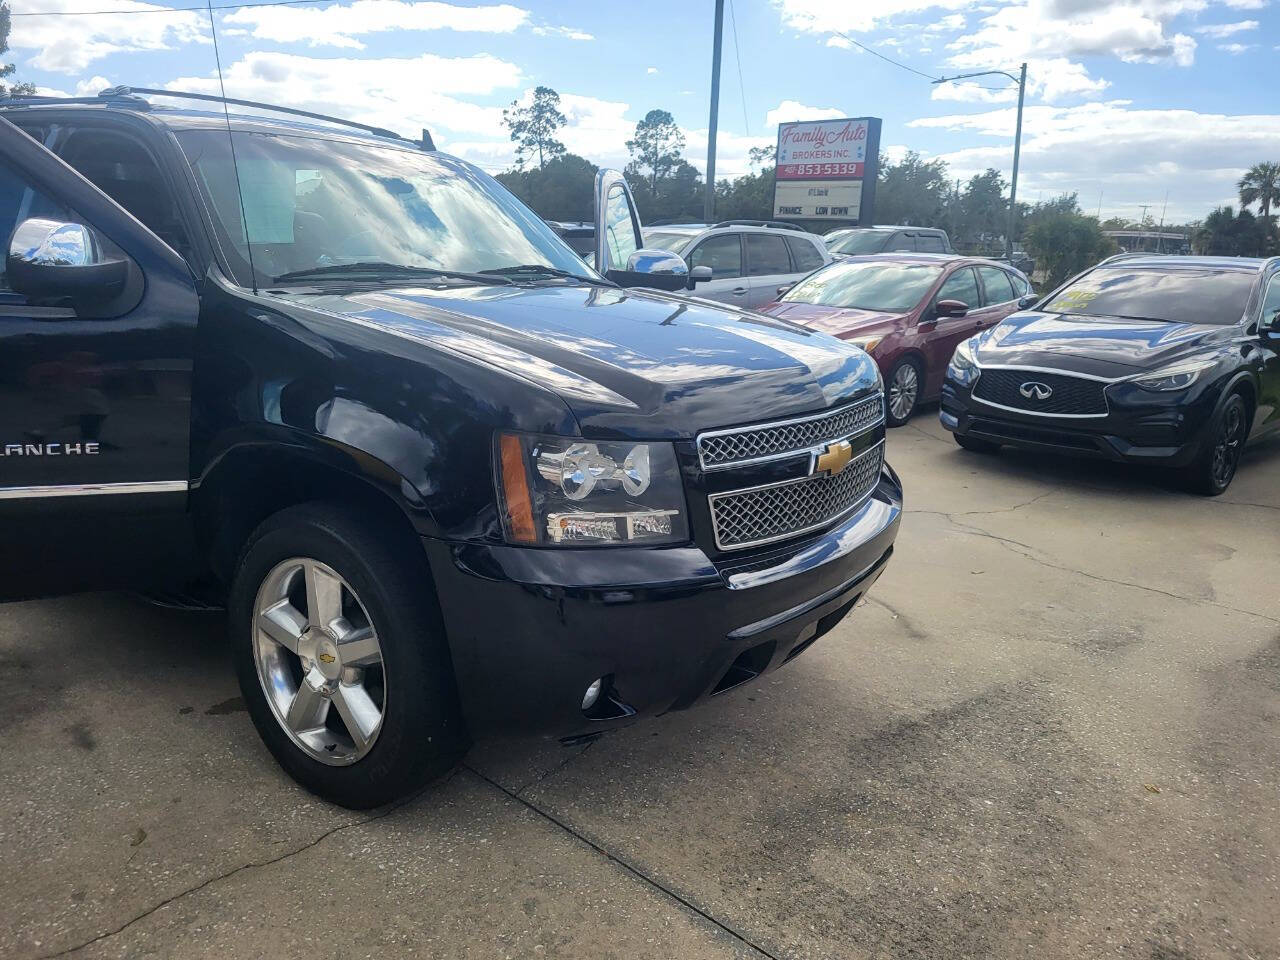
column 327, row 659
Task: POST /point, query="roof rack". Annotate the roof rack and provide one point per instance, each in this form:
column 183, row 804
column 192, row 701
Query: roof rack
column 129, row 97
column 774, row 224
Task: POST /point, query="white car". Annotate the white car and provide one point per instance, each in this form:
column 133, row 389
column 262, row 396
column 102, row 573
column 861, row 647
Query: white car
column 749, row 259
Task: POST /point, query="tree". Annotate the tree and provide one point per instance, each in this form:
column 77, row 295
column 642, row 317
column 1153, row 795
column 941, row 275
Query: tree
column 913, row 192
column 562, row 189
column 1065, row 241
column 762, row 156
column 6, row 70
column 748, row 198
column 678, row 194
column 983, row 210
column 1261, row 185
column 533, row 128
column 657, row 147
column 1227, row 234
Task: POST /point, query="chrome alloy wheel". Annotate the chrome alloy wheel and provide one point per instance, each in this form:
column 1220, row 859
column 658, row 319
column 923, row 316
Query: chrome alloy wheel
column 903, row 391
column 319, row 661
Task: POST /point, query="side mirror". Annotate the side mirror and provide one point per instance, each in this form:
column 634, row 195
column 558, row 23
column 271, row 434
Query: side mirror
column 49, row 259
column 1027, row 302
column 660, row 269
column 951, row 308
column 784, row 288
column 700, row 274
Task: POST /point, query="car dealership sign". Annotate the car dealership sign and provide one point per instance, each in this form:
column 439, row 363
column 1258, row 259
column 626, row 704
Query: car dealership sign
column 827, row 170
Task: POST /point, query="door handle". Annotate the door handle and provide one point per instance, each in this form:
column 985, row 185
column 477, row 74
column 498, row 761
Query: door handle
column 739, row 291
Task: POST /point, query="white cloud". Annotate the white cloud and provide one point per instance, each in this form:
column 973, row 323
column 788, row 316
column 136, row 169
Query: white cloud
column 651, row 71
column 569, row 33
column 340, row 25
column 1235, row 49
column 1245, row 4
column 1220, row 30
column 789, row 110
column 1131, row 155
column 849, row 16
column 69, row 44
column 373, row 91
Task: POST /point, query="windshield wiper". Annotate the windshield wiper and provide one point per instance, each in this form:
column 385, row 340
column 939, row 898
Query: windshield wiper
column 527, row 271
column 369, row 268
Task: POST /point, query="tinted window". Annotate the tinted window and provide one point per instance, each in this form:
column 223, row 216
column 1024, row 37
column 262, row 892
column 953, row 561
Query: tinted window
column 1183, row 295
column 861, row 241
column 995, row 283
column 766, row 254
column 1020, row 285
column 804, row 254
column 901, row 241
column 883, row 287
column 929, row 243
column 620, row 234
column 961, row 285
column 1271, row 306
column 723, row 254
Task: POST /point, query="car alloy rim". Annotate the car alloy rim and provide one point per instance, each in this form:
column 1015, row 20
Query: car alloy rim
column 902, row 391
column 1226, row 452
column 319, row 661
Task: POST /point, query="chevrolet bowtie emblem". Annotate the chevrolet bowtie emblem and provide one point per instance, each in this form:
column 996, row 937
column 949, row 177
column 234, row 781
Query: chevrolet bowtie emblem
column 326, row 658
column 834, row 458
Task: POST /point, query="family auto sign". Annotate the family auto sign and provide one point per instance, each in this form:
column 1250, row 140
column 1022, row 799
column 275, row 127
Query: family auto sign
column 827, row 169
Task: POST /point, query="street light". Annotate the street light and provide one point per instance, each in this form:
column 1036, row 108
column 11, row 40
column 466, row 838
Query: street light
column 1021, row 81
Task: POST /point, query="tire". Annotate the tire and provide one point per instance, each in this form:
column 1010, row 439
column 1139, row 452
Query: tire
column 397, row 687
column 902, row 391
column 1215, row 467
column 976, row 444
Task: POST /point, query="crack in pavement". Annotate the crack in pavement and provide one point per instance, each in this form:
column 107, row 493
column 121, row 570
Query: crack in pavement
column 628, row 867
column 554, row 770
column 209, row 881
column 1011, row 546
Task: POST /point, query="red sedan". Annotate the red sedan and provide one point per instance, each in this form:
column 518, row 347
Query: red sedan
column 908, row 310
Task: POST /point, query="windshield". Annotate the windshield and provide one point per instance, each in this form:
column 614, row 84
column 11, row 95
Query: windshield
column 860, row 241
column 1181, row 295
column 319, row 204
column 867, row 285
column 674, row 242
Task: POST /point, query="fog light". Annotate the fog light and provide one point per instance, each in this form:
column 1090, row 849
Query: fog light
column 593, row 694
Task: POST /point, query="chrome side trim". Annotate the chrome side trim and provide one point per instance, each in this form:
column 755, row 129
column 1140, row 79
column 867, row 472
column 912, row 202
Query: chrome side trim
column 1057, row 370
column 828, row 521
column 1036, row 413
column 769, row 458
column 92, row 489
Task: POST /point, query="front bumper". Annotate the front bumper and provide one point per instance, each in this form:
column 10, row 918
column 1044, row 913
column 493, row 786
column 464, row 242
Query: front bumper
column 1139, row 427
column 530, row 629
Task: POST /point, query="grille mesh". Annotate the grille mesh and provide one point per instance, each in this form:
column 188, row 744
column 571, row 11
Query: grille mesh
column 749, row 517
column 751, row 443
column 1071, row 395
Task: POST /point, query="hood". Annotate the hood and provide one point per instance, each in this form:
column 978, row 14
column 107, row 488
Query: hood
column 629, row 363
column 1104, row 346
column 842, row 322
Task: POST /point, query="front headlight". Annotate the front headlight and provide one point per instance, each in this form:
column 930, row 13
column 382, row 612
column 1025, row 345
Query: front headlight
column 1176, row 377
column 866, row 343
column 560, row 491
column 963, row 367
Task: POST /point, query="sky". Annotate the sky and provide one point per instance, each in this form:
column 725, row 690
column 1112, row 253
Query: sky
column 1161, row 103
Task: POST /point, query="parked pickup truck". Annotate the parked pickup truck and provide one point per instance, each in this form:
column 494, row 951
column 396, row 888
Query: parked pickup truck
column 450, row 479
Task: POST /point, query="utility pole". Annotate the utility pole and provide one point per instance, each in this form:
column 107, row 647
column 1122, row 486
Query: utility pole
column 1021, row 81
column 709, row 204
column 1160, row 229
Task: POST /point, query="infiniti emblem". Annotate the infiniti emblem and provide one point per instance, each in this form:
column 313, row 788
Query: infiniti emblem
column 1036, row 389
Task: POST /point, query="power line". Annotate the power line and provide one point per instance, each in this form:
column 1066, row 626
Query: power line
column 216, row 6
column 737, row 58
column 886, row 59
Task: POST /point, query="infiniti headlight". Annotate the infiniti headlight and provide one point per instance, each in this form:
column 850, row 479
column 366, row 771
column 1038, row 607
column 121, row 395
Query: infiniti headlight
column 1179, row 376
column 963, row 367
column 561, row 491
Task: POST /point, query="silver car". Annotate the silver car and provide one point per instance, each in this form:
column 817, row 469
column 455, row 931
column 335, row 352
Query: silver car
column 749, row 259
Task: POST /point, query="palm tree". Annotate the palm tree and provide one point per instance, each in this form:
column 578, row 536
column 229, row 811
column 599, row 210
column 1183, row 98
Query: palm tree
column 1261, row 185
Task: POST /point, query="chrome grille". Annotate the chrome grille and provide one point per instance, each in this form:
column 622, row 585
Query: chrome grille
column 747, row 518
column 720, row 449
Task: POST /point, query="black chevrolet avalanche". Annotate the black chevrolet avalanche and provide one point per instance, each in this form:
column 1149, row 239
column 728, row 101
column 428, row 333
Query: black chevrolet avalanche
column 1173, row 361
column 449, row 478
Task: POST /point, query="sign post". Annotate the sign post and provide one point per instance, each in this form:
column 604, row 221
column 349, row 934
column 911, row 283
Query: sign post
column 827, row 170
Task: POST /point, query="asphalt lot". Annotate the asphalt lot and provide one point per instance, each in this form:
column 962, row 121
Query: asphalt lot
column 1053, row 731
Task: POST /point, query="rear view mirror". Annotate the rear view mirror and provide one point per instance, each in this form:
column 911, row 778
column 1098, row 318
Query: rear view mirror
column 52, row 260
column 951, row 308
column 1027, row 302
column 784, row 288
